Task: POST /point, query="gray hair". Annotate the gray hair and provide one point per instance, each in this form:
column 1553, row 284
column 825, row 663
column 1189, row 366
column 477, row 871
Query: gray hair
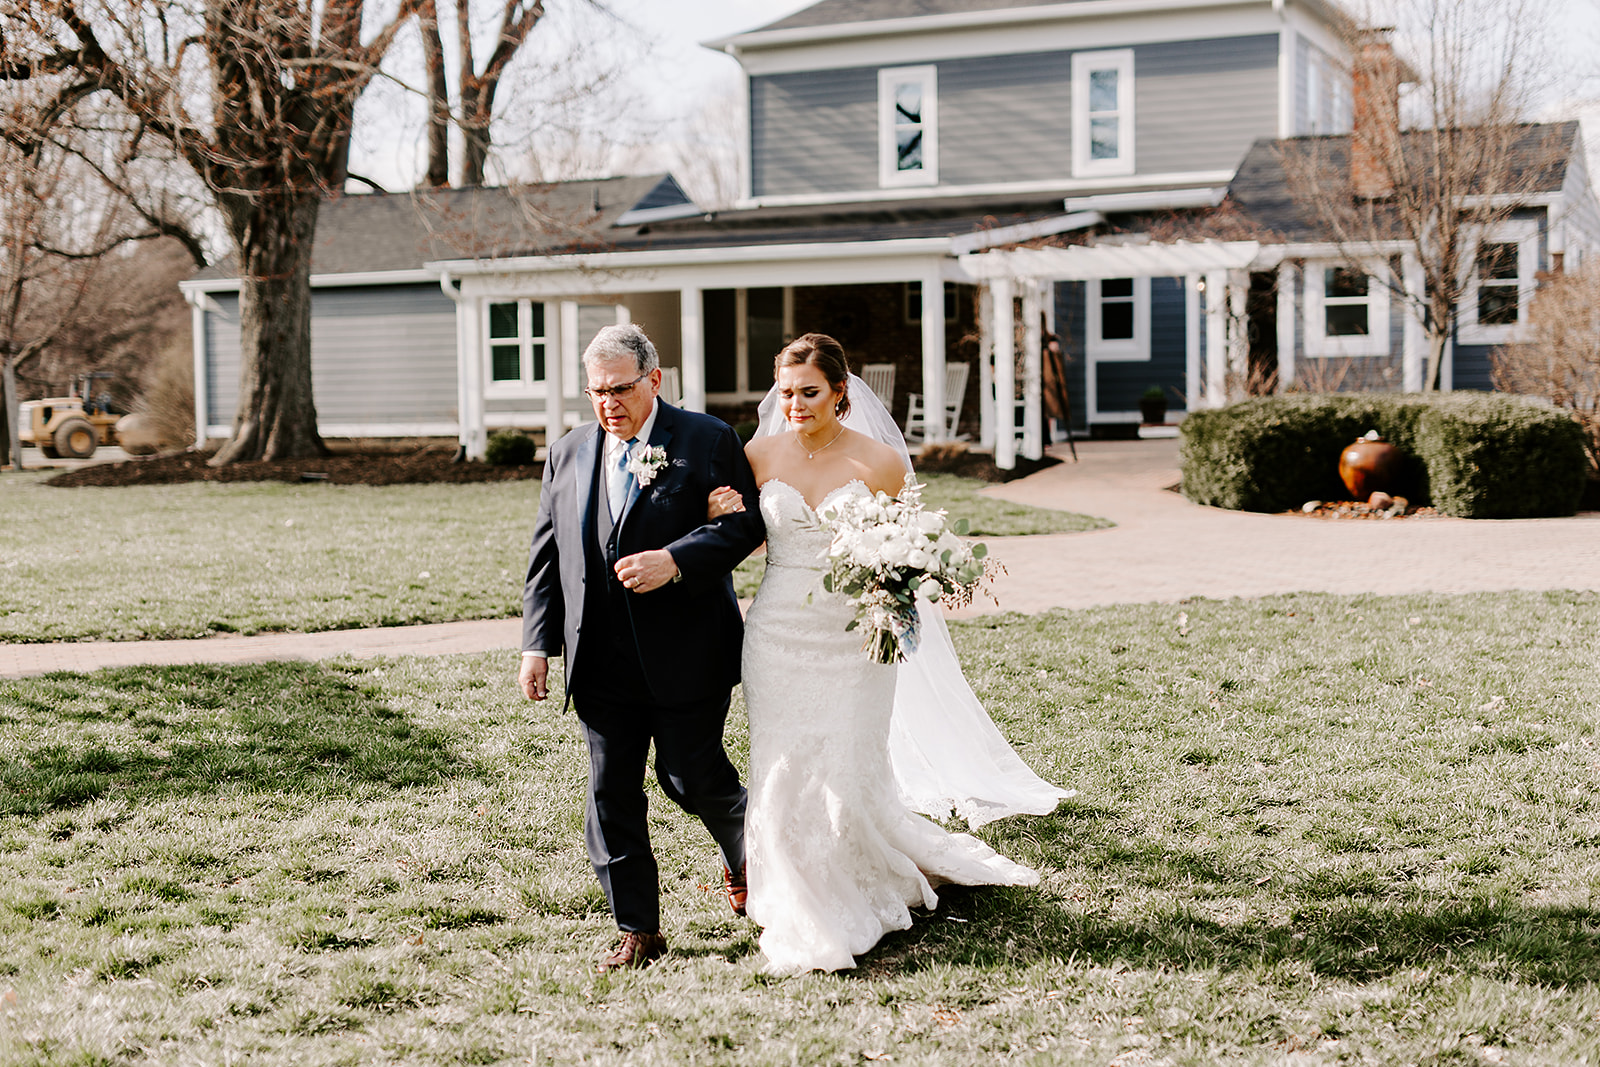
column 622, row 341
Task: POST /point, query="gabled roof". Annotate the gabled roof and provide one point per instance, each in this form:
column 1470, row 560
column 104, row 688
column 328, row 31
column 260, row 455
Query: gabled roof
column 838, row 12
column 382, row 232
column 1272, row 189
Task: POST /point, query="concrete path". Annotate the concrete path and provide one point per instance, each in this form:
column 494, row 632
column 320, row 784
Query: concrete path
column 1163, row 549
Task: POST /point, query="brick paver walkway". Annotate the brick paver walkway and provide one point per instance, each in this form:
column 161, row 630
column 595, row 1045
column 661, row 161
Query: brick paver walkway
column 1163, row 549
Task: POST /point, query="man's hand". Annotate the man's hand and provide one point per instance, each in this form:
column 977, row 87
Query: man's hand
column 532, row 677
column 644, row 571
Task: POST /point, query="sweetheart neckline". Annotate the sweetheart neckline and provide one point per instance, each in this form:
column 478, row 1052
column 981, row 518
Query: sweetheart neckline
column 825, row 496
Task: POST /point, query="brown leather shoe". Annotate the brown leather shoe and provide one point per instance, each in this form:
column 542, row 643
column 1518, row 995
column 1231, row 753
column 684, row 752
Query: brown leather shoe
column 737, row 887
column 635, row 950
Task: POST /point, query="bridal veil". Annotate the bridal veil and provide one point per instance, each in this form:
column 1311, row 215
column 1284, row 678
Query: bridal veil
column 946, row 753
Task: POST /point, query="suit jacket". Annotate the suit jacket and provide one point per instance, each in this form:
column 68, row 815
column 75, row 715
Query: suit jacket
column 688, row 632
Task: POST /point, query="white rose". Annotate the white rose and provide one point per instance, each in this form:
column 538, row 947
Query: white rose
column 896, row 552
column 919, row 559
column 930, row 522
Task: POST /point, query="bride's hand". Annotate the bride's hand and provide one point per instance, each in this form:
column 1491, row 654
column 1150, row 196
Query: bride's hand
column 723, row 501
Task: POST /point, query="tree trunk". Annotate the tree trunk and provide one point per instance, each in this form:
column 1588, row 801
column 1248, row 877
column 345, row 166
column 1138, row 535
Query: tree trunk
column 1433, row 373
column 438, row 97
column 277, row 416
column 10, row 431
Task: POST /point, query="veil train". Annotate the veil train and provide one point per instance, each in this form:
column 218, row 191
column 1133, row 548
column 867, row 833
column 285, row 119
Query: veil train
column 946, row 753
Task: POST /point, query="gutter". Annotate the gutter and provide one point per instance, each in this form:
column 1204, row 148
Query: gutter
column 1024, row 231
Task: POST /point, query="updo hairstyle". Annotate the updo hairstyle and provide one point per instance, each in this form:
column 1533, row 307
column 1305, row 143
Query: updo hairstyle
column 825, row 354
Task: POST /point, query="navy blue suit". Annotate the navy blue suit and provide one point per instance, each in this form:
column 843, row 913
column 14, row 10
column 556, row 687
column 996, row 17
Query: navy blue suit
column 643, row 667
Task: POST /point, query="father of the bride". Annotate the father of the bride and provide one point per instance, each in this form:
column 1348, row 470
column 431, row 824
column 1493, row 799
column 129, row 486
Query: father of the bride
column 631, row 584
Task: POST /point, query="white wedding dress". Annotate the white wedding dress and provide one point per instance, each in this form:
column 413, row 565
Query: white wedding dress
column 836, row 858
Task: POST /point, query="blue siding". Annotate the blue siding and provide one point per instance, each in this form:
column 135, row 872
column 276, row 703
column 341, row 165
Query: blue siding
column 379, row 354
column 1071, row 310
column 1472, row 368
column 1199, row 105
column 1119, row 385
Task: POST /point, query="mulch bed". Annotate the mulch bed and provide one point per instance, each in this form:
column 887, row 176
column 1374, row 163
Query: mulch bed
column 1350, row 509
column 340, row 468
column 433, row 464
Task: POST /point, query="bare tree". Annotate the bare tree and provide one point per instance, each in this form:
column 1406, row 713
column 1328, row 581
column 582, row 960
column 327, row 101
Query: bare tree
column 1561, row 359
column 257, row 97
column 1467, row 161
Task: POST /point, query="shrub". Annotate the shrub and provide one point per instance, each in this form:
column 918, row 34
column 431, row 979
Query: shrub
column 1472, row 455
column 509, row 448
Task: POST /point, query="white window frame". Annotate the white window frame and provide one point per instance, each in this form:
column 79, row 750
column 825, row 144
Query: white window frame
column 1524, row 233
column 1314, row 91
column 1083, row 63
column 526, row 384
column 889, row 174
column 1377, row 301
column 1129, row 350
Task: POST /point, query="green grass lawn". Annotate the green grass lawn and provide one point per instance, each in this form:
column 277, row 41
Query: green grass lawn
column 1309, row 830
column 191, row 560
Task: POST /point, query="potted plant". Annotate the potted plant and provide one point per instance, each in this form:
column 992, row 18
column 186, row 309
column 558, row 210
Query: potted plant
column 1153, row 405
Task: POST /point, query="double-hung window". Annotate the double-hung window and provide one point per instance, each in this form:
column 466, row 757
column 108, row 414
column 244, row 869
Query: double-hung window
column 1347, row 309
column 908, row 126
column 517, row 343
column 1494, row 308
column 1119, row 318
column 1102, row 113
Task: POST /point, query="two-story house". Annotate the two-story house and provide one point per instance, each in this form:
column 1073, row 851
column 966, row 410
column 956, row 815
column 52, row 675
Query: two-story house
column 897, row 149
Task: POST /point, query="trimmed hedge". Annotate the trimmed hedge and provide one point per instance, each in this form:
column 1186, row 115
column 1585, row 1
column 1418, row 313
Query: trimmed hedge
column 509, row 448
column 1472, row 455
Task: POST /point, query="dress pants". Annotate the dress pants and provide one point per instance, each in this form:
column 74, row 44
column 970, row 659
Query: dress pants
column 620, row 719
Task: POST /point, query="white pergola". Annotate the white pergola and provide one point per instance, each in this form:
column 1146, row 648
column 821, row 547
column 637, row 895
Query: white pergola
column 1219, row 268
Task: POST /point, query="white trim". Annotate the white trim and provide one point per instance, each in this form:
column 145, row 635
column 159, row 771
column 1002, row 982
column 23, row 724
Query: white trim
column 926, row 78
column 1064, row 186
column 1024, row 231
column 1216, row 327
column 1003, row 330
column 1153, row 200
column 741, row 45
column 1194, row 385
column 1130, row 350
column 1524, row 233
column 605, row 262
column 410, row 276
column 642, row 216
column 1286, row 72
column 1084, row 66
column 1032, row 371
column 1375, row 342
column 198, row 314
column 1414, row 341
column 526, row 386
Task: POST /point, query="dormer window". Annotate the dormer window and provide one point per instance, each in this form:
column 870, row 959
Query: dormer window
column 1494, row 308
column 908, row 126
column 1102, row 113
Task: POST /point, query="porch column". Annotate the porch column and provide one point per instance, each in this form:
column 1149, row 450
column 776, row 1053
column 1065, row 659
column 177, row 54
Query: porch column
column 694, row 349
column 933, row 354
column 1414, row 343
column 1239, row 330
column 1216, row 338
column 474, row 427
column 1005, row 375
column 567, row 355
column 1032, row 372
column 1286, row 353
column 985, row 368
column 197, row 324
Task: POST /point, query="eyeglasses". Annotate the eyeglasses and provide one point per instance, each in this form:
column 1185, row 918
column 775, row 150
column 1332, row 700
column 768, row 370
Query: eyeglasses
column 615, row 392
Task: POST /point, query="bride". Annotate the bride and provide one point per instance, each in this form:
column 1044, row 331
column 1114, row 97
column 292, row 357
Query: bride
column 839, row 753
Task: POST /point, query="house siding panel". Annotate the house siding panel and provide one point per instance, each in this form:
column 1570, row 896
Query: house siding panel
column 1200, row 104
column 815, row 132
column 1471, row 367
column 378, row 355
column 1119, row 385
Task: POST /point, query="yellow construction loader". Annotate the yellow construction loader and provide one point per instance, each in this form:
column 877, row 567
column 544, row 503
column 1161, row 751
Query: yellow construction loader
column 72, row 426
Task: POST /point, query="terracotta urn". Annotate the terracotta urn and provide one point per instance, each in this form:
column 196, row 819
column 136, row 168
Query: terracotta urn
column 1368, row 466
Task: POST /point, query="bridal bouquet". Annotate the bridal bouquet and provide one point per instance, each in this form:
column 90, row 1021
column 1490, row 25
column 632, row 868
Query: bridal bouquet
column 887, row 554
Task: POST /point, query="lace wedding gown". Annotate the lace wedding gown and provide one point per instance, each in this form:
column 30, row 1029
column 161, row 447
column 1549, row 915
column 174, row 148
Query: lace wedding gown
column 836, row 859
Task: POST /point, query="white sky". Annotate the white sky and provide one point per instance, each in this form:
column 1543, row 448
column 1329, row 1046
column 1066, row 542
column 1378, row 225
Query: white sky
column 677, row 75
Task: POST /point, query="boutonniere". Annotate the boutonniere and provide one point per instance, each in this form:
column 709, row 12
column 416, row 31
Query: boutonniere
column 646, row 461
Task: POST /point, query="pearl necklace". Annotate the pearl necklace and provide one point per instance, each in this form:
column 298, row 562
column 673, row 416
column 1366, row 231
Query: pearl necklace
column 812, row 452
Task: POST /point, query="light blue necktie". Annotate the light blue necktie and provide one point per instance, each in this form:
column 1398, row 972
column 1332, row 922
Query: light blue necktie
column 617, row 484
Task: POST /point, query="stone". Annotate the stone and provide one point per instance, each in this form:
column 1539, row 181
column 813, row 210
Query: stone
column 1380, row 501
column 1310, row 506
